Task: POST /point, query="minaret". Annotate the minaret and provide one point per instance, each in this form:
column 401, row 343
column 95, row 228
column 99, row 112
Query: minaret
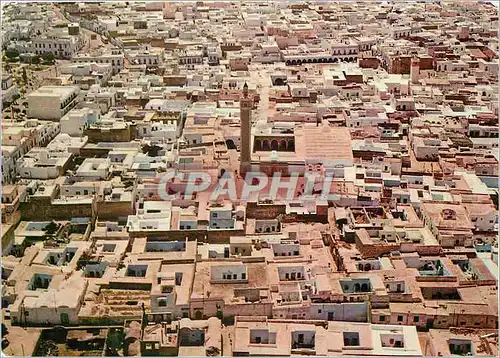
column 245, row 131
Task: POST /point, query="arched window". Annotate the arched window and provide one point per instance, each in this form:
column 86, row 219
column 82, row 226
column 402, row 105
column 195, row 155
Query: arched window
column 265, row 145
column 274, row 144
column 257, row 145
column 282, row 145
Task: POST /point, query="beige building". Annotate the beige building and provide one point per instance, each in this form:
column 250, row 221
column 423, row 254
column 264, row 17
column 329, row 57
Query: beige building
column 52, row 102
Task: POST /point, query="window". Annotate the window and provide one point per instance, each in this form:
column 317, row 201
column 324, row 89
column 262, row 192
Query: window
column 243, row 276
column 416, row 319
column 235, row 276
column 400, row 318
column 351, row 339
column 382, row 318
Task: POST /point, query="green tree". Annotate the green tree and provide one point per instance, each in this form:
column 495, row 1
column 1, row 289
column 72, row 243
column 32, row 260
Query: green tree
column 51, row 228
column 12, row 53
column 115, row 342
column 48, row 57
column 35, row 60
column 151, row 150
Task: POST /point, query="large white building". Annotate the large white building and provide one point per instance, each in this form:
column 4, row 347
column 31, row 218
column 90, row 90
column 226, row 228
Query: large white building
column 52, row 102
column 60, row 46
column 115, row 58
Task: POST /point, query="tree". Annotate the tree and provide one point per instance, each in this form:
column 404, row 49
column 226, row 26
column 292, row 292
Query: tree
column 12, row 53
column 151, row 150
column 51, row 228
column 115, row 342
column 48, row 57
column 35, row 60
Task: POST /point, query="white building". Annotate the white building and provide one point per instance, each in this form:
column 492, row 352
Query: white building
column 153, row 129
column 9, row 89
column 52, row 102
column 60, row 46
column 65, row 143
column 59, row 303
column 75, row 120
column 153, row 216
column 41, row 163
column 115, row 57
column 94, row 168
column 148, row 57
column 87, row 74
column 221, row 216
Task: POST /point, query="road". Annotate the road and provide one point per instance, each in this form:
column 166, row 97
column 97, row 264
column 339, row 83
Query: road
column 260, row 75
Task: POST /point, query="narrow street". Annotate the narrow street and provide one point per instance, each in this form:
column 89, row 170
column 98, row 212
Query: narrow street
column 260, row 75
column 227, row 339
